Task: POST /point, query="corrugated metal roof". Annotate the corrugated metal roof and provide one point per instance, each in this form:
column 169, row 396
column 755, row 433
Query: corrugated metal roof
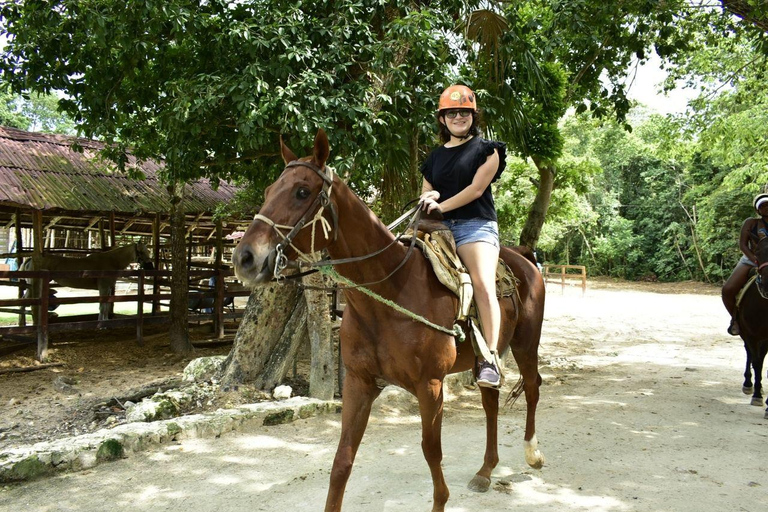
column 43, row 172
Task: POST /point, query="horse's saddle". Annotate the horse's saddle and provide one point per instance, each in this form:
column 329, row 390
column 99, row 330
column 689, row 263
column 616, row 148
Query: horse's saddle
column 437, row 244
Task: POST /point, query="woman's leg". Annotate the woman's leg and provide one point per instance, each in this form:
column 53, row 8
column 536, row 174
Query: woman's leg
column 481, row 260
column 731, row 289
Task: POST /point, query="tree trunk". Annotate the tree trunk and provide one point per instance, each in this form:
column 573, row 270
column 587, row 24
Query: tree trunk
column 321, row 373
column 265, row 324
column 179, row 329
column 538, row 212
column 277, row 321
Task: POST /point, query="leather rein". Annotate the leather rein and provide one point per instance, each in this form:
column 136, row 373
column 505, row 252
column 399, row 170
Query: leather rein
column 277, row 259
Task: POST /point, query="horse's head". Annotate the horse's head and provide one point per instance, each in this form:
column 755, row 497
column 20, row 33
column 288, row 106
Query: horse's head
column 762, row 268
column 297, row 218
column 143, row 258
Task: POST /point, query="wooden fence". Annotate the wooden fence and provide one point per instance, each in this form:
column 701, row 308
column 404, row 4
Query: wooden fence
column 566, row 275
column 143, row 278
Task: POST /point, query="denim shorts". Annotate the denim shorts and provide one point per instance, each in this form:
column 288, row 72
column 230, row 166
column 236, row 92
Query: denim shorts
column 746, row 261
column 466, row 231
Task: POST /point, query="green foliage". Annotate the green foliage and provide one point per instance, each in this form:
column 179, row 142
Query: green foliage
column 38, row 113
column 9, row 113
column 210, row 86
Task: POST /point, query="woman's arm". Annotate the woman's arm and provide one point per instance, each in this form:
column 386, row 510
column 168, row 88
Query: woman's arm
column 427, row 192
column 744, row 239
column 480, row 182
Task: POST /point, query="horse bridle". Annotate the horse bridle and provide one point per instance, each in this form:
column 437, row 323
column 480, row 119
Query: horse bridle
column 279, row 261
column 277, row 258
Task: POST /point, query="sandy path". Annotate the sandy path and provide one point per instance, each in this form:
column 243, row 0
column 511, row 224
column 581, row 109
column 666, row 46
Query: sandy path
column 641, row 411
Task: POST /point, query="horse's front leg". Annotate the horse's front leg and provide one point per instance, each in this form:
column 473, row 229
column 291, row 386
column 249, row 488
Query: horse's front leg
column 430, row 398
column 746, row 388
column 482, row 480
column 358, row 395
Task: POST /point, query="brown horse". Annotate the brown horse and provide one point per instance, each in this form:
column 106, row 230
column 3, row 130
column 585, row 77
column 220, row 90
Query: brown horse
column 114, row 259
column 752, row 316
column 378, row 344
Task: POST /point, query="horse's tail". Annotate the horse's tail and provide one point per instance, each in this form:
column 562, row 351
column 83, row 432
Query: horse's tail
column 525, row 251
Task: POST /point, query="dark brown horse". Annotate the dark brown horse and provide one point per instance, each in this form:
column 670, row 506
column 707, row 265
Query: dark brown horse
column 753, row 324
column 380, row 345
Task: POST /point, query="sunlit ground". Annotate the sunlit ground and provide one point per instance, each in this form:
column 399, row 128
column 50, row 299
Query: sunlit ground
column 641, row 410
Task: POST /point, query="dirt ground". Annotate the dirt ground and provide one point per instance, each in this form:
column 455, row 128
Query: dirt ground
column 65, row 400
column 641, row 410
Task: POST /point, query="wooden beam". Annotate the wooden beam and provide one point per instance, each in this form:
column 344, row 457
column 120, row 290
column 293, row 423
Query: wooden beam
column 37, row 232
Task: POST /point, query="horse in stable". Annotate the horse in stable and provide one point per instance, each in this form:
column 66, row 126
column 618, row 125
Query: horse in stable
column 380, row 345
column 114, row 259
column 752, row 315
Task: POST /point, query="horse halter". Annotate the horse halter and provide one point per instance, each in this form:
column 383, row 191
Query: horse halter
column 277, row 258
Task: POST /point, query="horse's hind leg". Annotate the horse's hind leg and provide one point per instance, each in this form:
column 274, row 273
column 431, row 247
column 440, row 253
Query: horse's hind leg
column 528, row 364
column 482, row 480
column 746, row 388
column 358, row 395
column 431, row 408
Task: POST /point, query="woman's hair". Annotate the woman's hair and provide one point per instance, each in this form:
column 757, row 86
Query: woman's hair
column 445, row 134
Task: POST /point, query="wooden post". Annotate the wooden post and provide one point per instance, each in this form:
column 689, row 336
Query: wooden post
column 112, row 236
column 562, row 280
column 218, row 306
column 218, row 319
column 19, row 261
column 42, row 317
column 156, row 257
column 102, row 234
column 37, row 232
column 140, row 310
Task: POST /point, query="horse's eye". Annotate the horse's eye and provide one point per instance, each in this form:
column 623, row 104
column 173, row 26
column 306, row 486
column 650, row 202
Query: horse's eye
column 302, row 193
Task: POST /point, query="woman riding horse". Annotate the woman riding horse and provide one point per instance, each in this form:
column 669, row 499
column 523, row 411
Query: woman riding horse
column 309, row 209
column 753, row 229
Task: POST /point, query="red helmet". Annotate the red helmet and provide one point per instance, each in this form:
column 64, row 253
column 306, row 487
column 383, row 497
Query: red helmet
column 457, row 96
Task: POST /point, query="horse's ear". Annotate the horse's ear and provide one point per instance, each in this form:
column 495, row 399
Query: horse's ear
column 288, row 155
column 322, row 149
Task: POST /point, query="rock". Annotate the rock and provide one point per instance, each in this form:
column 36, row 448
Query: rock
column 65, row 385
column 111, row 449
column 203, row 369
column 282, row 392
column 150, row 410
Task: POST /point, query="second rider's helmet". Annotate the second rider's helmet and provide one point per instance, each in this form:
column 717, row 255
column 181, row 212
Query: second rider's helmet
column 759, row 199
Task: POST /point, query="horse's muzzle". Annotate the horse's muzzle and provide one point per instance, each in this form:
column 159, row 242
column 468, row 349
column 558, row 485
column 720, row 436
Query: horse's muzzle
column 252, row 268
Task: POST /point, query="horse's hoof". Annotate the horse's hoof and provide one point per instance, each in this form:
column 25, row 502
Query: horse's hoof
column 747, row 390
column 533, row 456
column 479, row 484
column 535, row 460
column 757, row 401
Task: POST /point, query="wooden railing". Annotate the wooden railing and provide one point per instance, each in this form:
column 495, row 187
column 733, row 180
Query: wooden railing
column 566, row 275
column 142, row 278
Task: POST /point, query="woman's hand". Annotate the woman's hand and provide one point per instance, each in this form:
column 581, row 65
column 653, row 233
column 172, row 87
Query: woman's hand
column 430, row 194
column 429, row 205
